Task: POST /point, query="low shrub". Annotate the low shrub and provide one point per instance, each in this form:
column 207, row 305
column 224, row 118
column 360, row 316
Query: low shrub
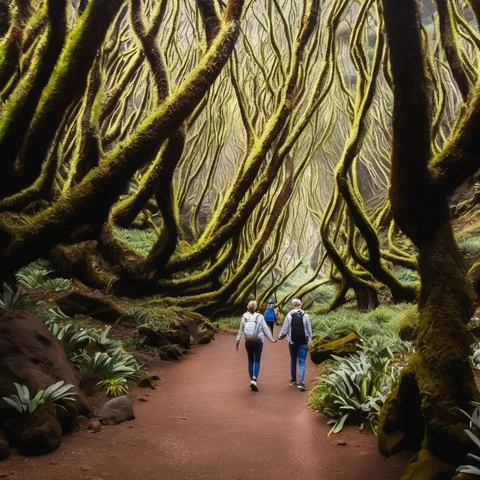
column 14, row 300
column 113, row 387
column 353, row 389
column 35, row 274
column 24, row 403
column 119, row 365
column 473, row 467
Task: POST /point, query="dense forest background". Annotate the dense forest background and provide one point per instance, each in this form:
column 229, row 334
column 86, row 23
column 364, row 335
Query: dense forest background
column 199, row 153
column 232, row 164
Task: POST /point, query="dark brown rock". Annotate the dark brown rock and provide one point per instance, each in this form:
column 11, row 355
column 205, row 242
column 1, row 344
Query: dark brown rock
column 30, row 355
column 163, row 354
column 117, row 410
column 153, row 338
column 170, row 353
column 204, row 338
column 94, row 425
column 178, row 337
column 88, row 380
column 99, row 308
column 4, row 446
column 142, row 359
column 40, row 439
column 81, row 421
column 321, row 350
column 190, row 325
column 147, row 382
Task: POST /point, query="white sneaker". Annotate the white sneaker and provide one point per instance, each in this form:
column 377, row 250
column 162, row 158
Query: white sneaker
column 253, row 386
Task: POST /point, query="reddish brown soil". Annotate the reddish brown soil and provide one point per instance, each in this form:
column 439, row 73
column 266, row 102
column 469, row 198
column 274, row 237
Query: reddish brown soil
column 203, row 422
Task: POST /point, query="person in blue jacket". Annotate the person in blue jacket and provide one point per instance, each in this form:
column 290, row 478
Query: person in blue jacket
column 272, row 315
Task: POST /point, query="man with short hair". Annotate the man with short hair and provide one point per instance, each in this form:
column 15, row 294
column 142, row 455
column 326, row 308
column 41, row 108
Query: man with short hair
column 254, row 328
column 298, row 329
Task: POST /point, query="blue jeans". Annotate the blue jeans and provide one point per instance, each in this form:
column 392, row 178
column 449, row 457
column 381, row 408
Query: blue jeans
column 254, row 354
column 298, row 352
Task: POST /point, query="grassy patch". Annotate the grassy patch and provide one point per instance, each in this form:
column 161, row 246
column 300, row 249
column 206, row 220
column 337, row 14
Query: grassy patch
column 469, row 245
column 384, row 321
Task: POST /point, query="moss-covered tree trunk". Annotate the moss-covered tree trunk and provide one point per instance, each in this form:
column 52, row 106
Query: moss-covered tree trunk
column 422, row 412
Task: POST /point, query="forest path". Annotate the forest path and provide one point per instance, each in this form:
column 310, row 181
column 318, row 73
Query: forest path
column 203, row 422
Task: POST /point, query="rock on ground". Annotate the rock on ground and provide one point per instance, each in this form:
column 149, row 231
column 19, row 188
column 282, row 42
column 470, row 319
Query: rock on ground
column 37, row 440
column 321, row 350
column 117, row 410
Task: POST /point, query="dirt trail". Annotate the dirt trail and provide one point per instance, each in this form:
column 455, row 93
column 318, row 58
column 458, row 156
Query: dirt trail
column 229, row 432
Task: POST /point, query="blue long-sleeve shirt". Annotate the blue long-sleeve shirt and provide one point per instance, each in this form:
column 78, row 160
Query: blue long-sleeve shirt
column 287, row 330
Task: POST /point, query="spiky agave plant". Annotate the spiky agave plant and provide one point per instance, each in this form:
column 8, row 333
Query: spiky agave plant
column 23, row 403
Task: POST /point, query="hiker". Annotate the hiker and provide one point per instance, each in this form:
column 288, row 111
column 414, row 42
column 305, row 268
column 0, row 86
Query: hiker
column 298, row 329
column 272, row 314
column 254, row 327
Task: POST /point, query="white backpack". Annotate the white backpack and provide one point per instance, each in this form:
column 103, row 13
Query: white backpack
column 252, row 328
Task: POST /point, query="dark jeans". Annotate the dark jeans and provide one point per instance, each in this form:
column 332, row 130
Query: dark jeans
column 298, row 352
column 270, row 326
column 254, row 354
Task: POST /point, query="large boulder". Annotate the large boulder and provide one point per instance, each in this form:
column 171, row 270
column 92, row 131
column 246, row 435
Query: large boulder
column 321, row 349
column 117, row 410
column 30, row 355
column 99, row 308
column 37, row 433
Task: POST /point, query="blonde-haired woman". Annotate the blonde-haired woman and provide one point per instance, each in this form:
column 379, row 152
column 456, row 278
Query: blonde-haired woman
column 254, row 327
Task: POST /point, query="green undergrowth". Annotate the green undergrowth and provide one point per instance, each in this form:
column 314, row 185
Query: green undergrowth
column 406, row 275
column 93, row 350
column 229, row 322
column 377, row 325
column 141, row 241
column 353, row 389
column 38, row 274
column 384, row 321
column 157, row 318
column 469, row 245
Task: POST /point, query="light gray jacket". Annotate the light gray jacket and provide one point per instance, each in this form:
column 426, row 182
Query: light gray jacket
column 287, row 330
column 264, row 330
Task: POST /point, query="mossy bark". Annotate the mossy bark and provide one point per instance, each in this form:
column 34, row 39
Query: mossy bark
column 439, row 378
column 90, row 201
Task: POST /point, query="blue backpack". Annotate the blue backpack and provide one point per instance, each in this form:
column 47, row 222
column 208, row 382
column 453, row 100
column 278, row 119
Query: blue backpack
column 270, row 314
